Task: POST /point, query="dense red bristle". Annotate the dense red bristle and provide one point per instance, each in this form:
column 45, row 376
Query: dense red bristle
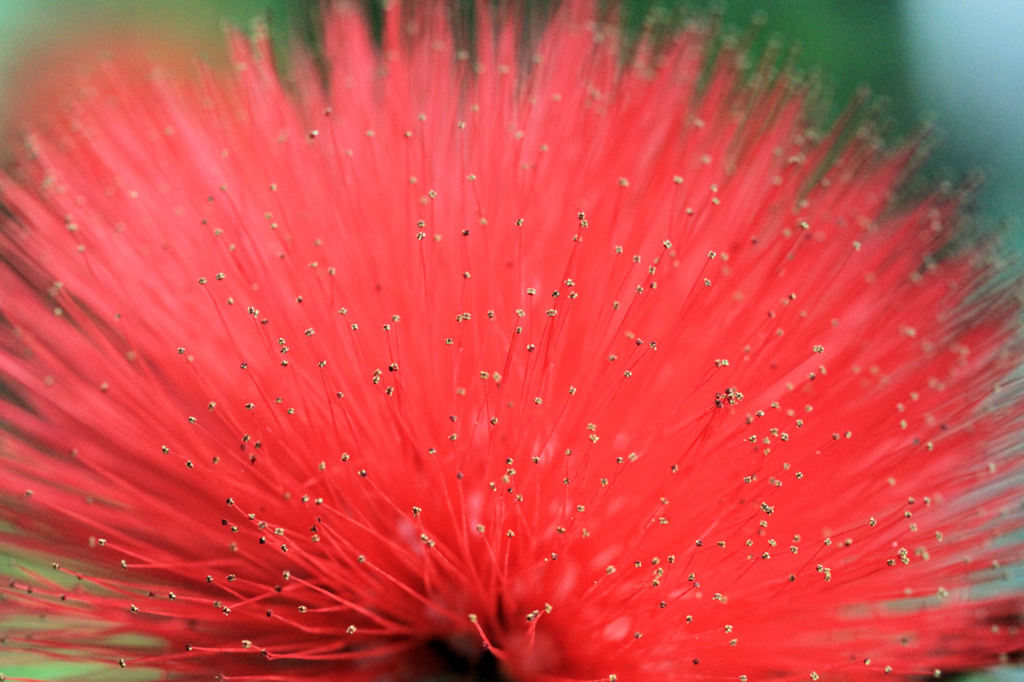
column 604, row 370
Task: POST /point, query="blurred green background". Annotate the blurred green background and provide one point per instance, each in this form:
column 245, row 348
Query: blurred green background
column 956, row 63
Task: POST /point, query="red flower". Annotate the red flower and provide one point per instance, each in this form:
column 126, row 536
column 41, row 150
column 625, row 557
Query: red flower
column 544, row 367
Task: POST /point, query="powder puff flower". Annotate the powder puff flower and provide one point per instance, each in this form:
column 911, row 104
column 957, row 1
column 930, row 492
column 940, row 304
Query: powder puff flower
column 536, row 360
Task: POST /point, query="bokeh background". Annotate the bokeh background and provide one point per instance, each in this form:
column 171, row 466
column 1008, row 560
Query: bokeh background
column 955, row 64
